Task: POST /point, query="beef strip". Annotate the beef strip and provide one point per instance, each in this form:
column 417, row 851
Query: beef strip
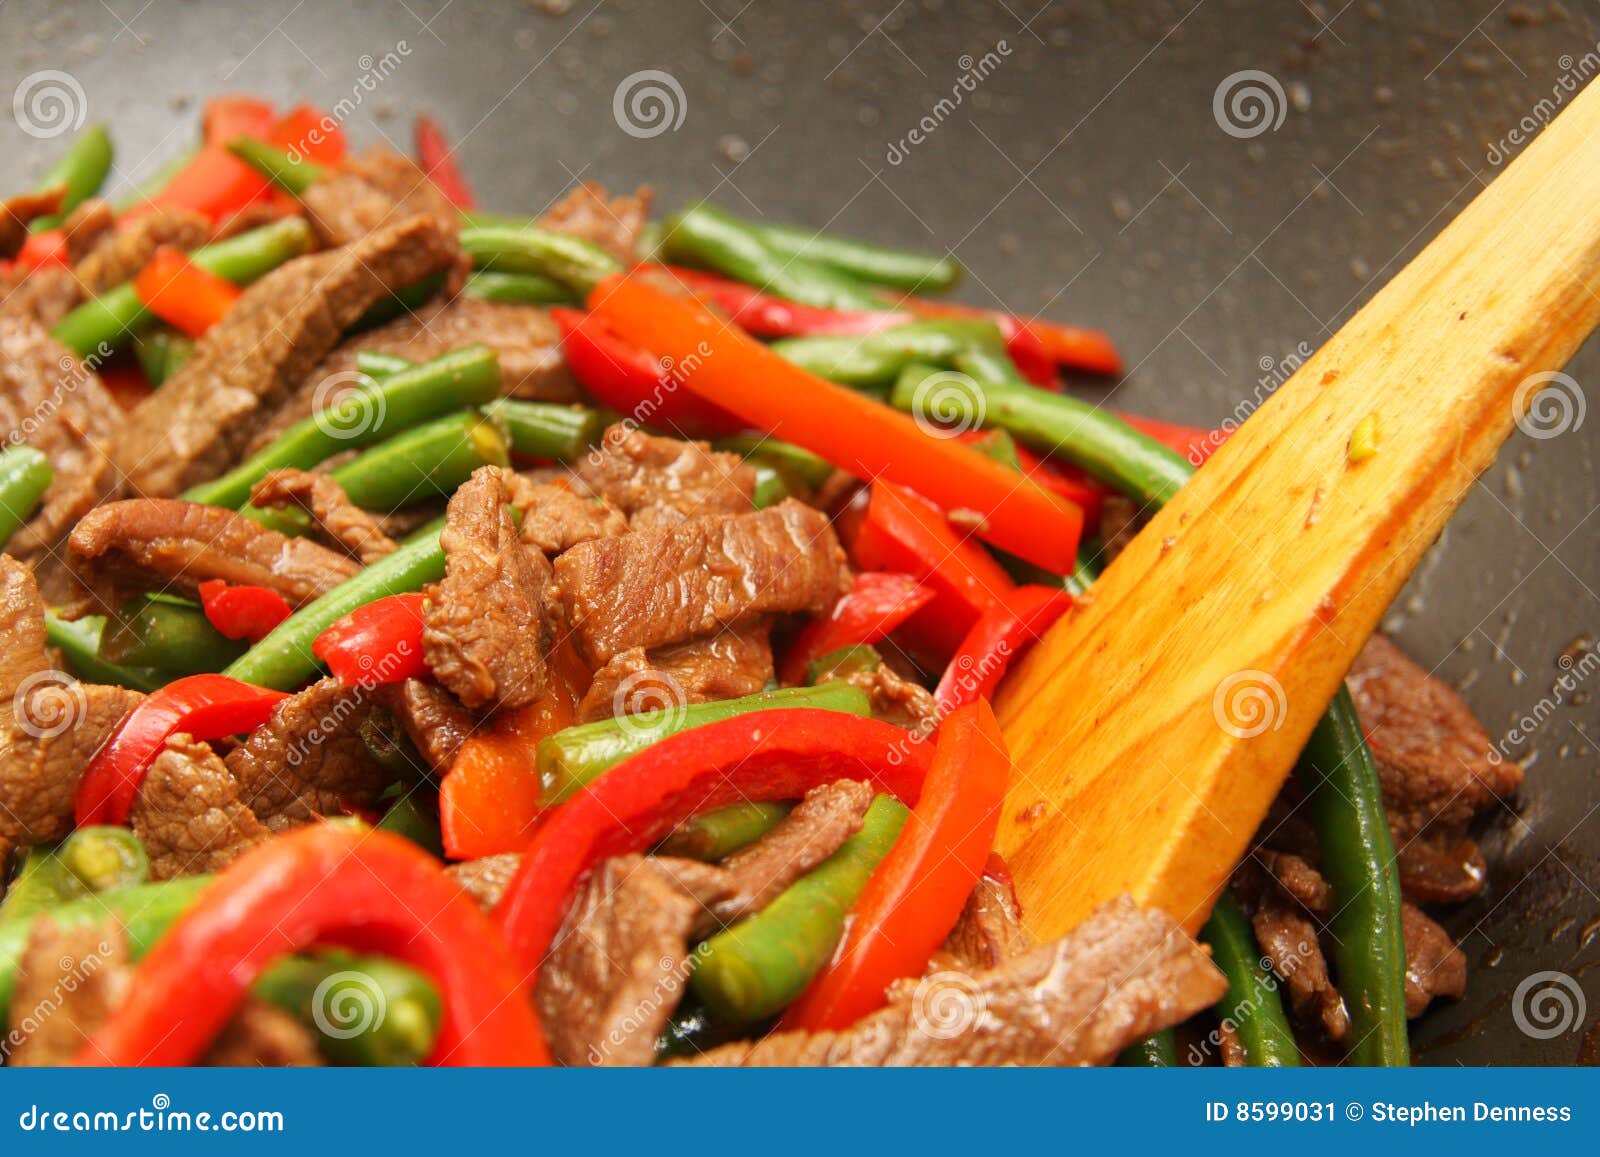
column 670, row 584
column 556, row 517
column 120, row 253
column 486, row 878
column 375, row 190
column 432, row 718
column 1288, row 941
column 1441, row 868
column 246, row 365
column 1434, row 965
column 650, row 479
column 87, row 226
column 340, row 522
column 17, row 212
column 309, row 759
column 44, row 295
column 50, row 724
column 989, row 932
column 1122, row 974
column 189, row 812
column 894, row 698
column 620, row 962
column 613, row 223
column 484, row 630
column 140, row 544
column 69, row 982
column 262, row 1035
column 726, row 665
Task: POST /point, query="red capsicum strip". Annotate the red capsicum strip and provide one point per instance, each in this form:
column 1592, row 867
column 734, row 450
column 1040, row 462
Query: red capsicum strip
column 766, row 755
column 996, row 640
column 876, row 605
column 324, row 886
column 378, row 643
column 763, row 315
column 308, row 133
column 854, row 432
column 1090, row 350
column 183, row 295
column 244, row 611
column 204, row 706
column 438, row 160
column 913, row 899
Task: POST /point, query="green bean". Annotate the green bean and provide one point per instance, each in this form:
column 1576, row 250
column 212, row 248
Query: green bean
column 1345, row 801
column 753, row 969
column 39, row 886
column 771, row 487
column 714, row 835
column 858, row 658
column 463, row 377
column 1157, row 1051
column 283, row 659
column 517, row 288
column 565, row 259
column 161, row 352
column 1253, row 1009
column 862, row 260
column 168, row 635
column 115, row 315
column 479, row 219
column 25, row 474
column 693, row 1030
column 79, row 645
column 363, row 1010
column 547, row 429
column 708, row 237
column 407, row 818
column 378, row 365
column 81, row 170
column 424, row 462
column 293, row 175
column 877, row 359
column 404, row 300
column 571, row 758
column 795, row 461
column 103, row 859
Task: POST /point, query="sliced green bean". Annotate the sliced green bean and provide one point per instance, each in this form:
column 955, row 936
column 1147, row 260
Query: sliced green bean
column 771, row 487
column 795, row 461
column 406, row 817
column 378, row 365
column 714, row 835
column 81, row 170
column 161, row 353
column 874, row 264
column 565, row 259
column 102, row 859
column 79, row 645
column 291, row 174
column 856, row 659
column 25, row 474
column 168, row 635
column 547, row 429
column 362, row 1010
column 877, row 359
column 517, row 288
column 40, row 885
column 1253, row 1008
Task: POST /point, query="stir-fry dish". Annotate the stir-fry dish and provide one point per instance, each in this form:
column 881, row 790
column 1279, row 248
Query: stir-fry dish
column 433, row 636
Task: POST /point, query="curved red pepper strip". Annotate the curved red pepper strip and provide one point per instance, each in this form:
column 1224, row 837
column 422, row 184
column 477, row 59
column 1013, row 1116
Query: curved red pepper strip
column 380, row 642
column 438, row 160
column 763, row 315
column 996, row 640
column 324, row 885
column 875, row 605
column 914, row 897
column 243, row 611
column 204, row 706
column 766, row 755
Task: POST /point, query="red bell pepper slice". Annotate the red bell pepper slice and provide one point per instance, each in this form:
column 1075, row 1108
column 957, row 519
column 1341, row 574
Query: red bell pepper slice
column 215, row 184
column 47, row 247
column 1090, row 350
column 903, row 533
column 183, row 295
column 1196, row 445
column 1066, row 480
column 243, row 611
column 877, row 604
column 309, row 134
column 996, row 640
column 438, row 160
column 631, row 381
column 914, row 897
column 854, row 432
column 225, row 117
column 380, row 642
column 204, row 706
column 763, row 315
column 763, row 756
column 324, row 885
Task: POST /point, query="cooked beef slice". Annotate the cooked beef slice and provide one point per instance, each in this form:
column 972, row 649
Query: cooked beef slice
column 1288, row 941
column 484, row 630
column 189, row 812
column 17, row 212
column 613, row 223
column 1441, row 868
column 55, row 403
column 668, row 585
column 486, row 878
column 119, row 254
column 432, row 718
column 894, row 698
column 44, row 295
column 620, row 962
column 646, row 477
column 143, row 544
column 309, row 759
column 375, row 190
column 1122, row 974
column 247, row 364
column 556, row 517
column 86, row 226
column 1434, row 965
column 339, row 522
column 69, row 982
column 50, row 724
column 262, row 1035
column 989, row 932
column 726, row 665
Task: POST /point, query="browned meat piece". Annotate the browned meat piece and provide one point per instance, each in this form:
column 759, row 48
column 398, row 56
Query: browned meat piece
column 119, row 254
column 42, row 295
column 1297, row 877
column 87, row 226
column 485, row 879
column 989, row 931
column 484, row 630
column 432, row 718
column 727, row 665
column 140, row 544
column 894, row 698
column 555, row 517
column 189, row 814
column 50, row 724
column 1440, row 869
column 1122, row 974
column 53, row 402
column 641, row 474
column 1434, row 965
column 17, row 212
column 247, row 364
column 308, row 759
column 1289, row 943
column 262, row 1035
column 613, row 223
column 1119, row 522
column 668, row 585
column 252, row 216
column 68, row 984
column 340, row 522
column 620, row 961
column 375, row 190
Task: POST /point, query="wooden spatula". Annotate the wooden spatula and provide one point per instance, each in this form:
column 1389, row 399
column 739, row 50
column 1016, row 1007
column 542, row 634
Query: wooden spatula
column 1154, row 725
